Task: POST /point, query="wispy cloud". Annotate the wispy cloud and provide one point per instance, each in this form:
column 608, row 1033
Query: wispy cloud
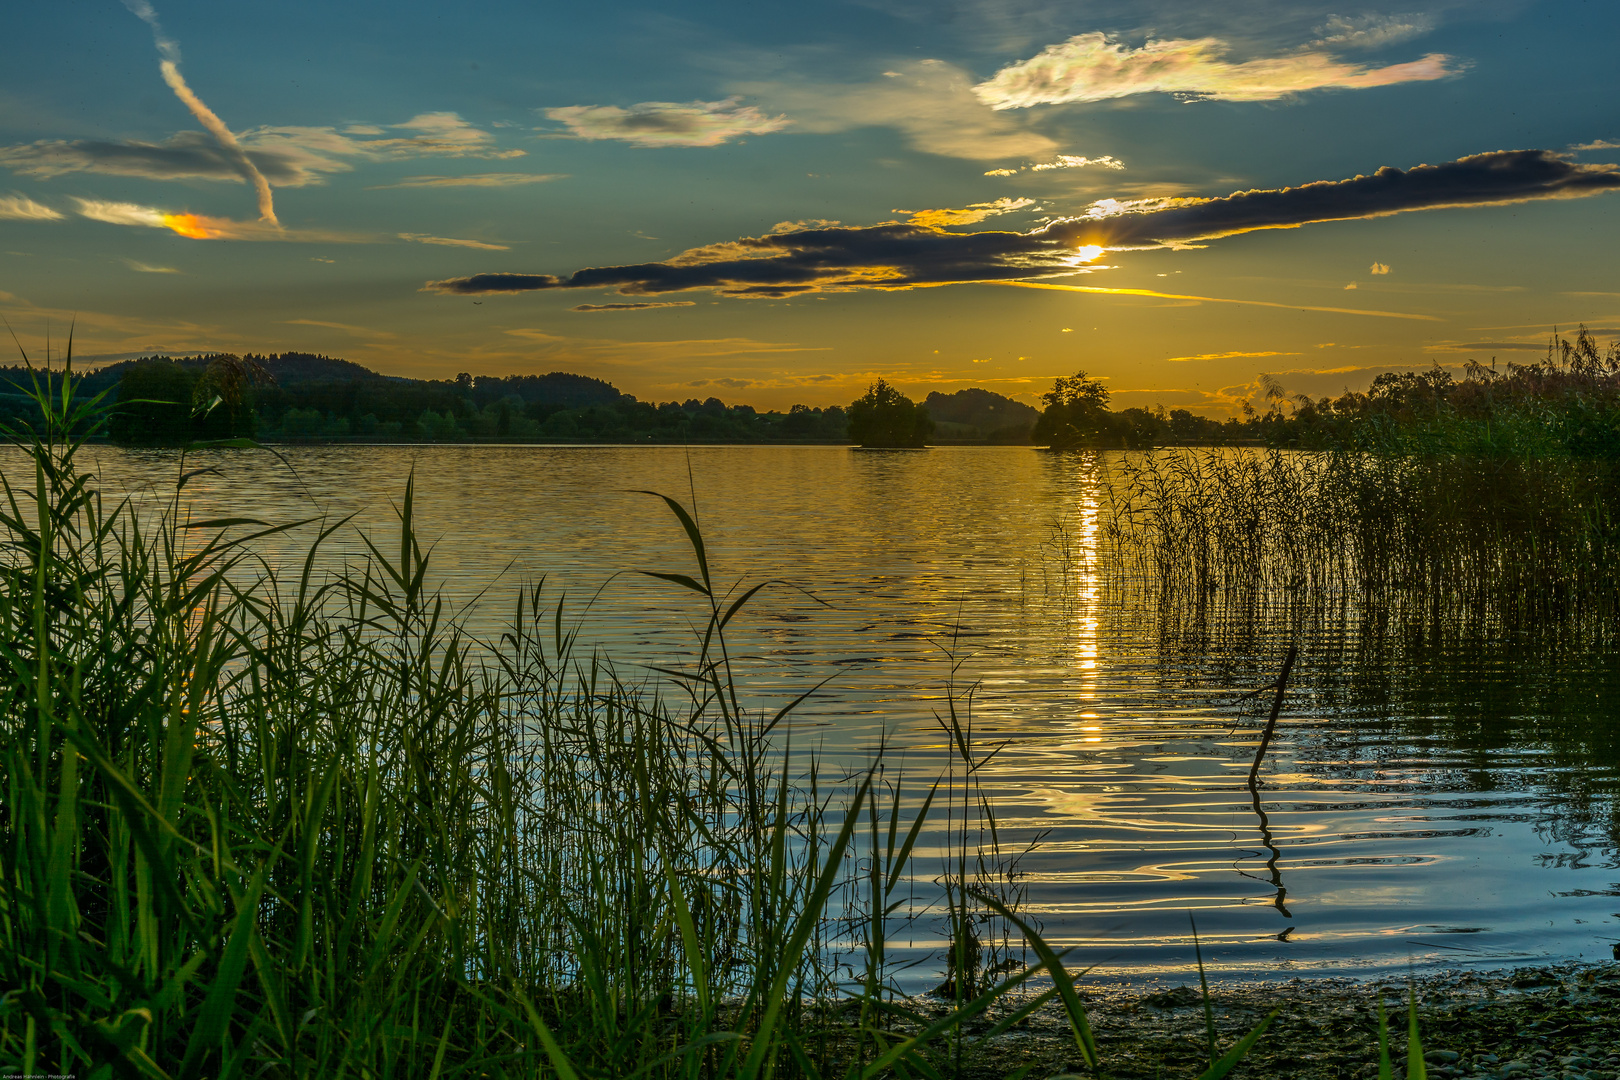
column 347, row 328
column 22, row 208
column 1222, row 356
column 893, row 255
column 633, row 307
column 1218, row 300
column 450, row 241
column 231, row 150
column 1371, row 31
column 929, row 102
column 667, row 123
column 1092, row 67
column 284, row 156
column 202, row 227
column 494, row 179
column 143, row 268
column 968, row 215
column 1596, row 144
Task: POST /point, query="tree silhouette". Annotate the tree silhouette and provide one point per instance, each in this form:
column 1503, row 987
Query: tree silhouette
column 1076, row 413
column 884, row 417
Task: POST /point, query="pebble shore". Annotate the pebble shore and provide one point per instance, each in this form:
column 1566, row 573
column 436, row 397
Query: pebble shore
column 1541, row 1023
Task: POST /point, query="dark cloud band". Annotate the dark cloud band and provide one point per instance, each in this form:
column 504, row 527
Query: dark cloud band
column 907, row 255
column 187, row 155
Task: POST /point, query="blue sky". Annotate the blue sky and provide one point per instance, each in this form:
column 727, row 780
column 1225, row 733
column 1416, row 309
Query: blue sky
column 778, row 203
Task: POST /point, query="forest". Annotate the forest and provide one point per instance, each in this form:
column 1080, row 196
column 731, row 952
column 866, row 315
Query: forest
column 1566, row 403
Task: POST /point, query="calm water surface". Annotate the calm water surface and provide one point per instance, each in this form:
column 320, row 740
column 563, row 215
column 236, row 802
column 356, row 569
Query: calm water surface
column 1430, row 797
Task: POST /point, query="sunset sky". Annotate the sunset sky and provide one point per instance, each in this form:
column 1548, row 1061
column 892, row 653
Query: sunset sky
column 775, row 203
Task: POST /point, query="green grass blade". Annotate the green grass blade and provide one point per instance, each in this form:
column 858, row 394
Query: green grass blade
column 1229, row 1060
column 1078, row 1023
column 1416, row 1067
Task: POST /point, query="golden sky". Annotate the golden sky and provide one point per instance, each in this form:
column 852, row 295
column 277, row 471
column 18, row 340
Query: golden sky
column 772, row 205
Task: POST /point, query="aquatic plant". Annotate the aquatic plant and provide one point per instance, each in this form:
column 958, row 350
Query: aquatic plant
column 1507, row 543
column 295, row 822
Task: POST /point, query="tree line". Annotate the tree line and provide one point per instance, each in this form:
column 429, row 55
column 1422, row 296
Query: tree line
column 1566, row 403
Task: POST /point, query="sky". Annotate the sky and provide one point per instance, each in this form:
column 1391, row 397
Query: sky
column 776, row 204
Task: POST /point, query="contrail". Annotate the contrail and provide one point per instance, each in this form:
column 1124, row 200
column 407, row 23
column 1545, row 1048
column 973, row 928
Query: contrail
column 170, row 65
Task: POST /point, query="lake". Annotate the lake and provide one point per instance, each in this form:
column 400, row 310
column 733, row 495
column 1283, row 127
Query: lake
column 1432, row 796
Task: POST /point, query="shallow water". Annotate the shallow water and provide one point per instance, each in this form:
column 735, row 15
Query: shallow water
column 1431, row 796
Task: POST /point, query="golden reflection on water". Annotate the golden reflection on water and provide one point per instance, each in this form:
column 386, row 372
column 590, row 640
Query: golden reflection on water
column 1129, row 759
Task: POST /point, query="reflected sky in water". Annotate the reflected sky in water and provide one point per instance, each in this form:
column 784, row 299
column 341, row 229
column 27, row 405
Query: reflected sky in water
column 1431, row 796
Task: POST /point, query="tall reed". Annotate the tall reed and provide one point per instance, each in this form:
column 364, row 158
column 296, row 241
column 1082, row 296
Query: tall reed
column 1502, row 543
column 294, row 822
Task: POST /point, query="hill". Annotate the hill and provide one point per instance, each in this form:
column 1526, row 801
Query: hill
column 977, row 414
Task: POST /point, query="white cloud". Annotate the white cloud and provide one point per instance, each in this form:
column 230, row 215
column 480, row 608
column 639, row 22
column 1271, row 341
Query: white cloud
column 22, row 208
column 1090, row 67
column 931, row 103
column 121, row 213
column 1371, row 31
column 143, row 268
column 1074, row 161
column 450, row 241
column 667, row 123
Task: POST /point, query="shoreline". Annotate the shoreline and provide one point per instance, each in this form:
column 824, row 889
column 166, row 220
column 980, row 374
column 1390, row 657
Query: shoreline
column 1550, row 1022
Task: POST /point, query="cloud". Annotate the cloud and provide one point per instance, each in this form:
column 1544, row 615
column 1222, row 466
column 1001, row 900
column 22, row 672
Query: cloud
column 284, row 156
column 450, row 241
column 498, row 179
column 633, row 307
column 202, row 227
column 142, row 268
column 1215, row 300
column 969, row 215
column 1596, row 144
column 894, row 255
column 1222, row 356
column 929, row 102
column 1072, row 161
column 22, row 208
column 229, row 148
column 1090, row 67
column 1063, row 161
column 1490, row 179
column 1378, row 268
column 1371, row 31
column 1352, row 285
column 668, row 123
column 357, row 331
